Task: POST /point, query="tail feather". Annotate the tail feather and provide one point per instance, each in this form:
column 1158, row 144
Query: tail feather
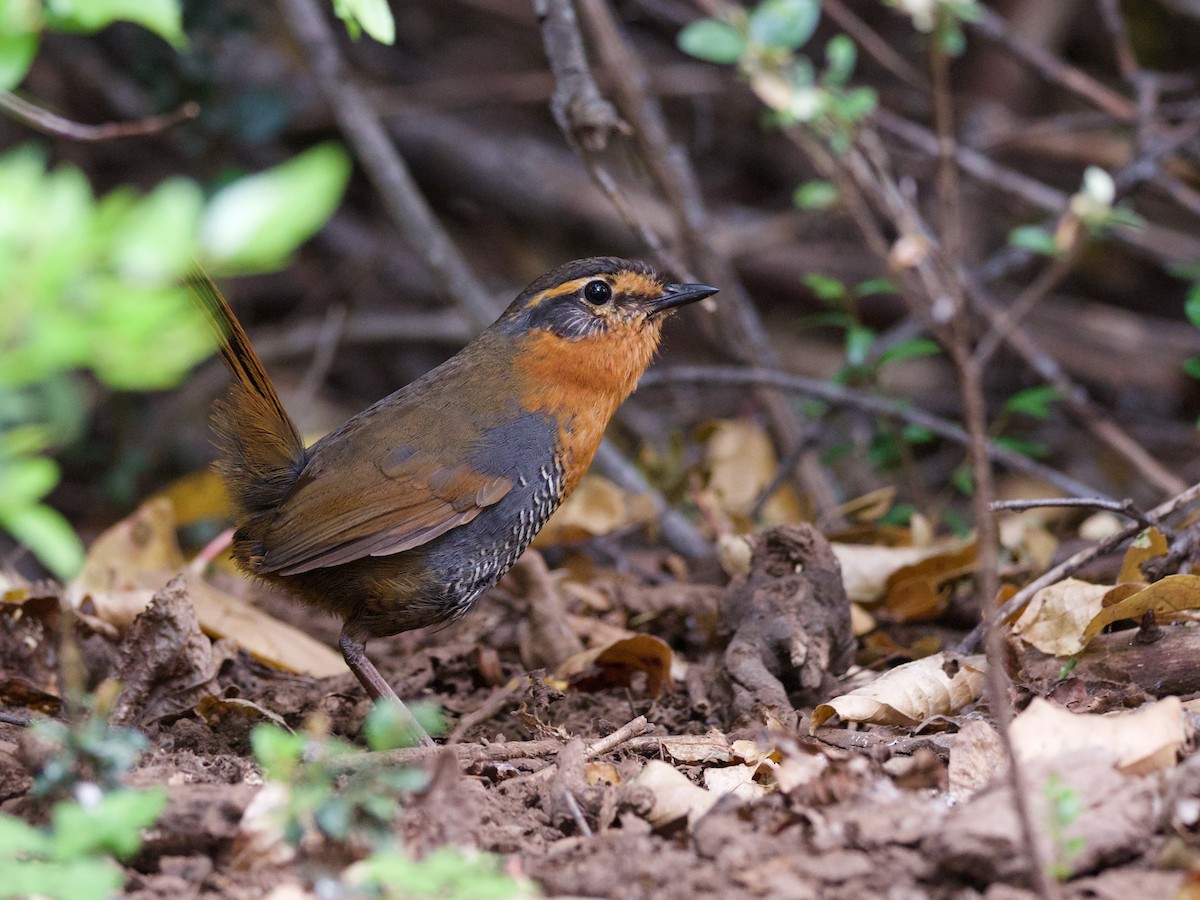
column 260, row 452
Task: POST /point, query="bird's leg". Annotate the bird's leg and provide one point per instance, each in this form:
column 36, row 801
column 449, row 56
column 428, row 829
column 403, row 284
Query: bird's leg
column 354, row 652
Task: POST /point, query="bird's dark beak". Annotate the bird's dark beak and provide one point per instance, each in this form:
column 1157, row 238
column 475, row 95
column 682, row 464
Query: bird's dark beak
column 674, row 295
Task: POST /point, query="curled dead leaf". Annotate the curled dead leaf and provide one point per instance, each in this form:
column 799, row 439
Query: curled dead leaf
column 908, row 694
column 918, row 592
column 1172, row 594
column 1055, row 619
column 675, row 797
column 866, row 568
column 1142, row 741
column 616, row 665
column 1150, row 544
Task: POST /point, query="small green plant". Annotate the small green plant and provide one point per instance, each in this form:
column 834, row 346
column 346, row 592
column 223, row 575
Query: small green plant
column 1093, row 207
column 336, row 795
column 356, row 809
column 764, row 43
column 96, row 822
column 1064, row 810
column 448, row 874
column 866, row 362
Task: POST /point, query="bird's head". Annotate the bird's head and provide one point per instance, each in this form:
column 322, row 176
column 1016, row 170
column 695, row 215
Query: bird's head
column 596, row 298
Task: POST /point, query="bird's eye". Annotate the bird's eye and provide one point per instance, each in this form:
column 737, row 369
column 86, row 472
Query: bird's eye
column 597, row 292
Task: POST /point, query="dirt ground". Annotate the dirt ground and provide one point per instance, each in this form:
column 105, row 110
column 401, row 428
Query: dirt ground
column 874, row 812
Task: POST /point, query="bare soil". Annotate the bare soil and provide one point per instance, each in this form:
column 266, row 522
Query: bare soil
column 878, row 822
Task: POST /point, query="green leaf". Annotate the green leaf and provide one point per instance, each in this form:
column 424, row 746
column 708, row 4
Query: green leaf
column 1033, row 401
column 254, row 224
column 1192, row 366
column 815, row 195
column 16, row 56
column 840, row 57
column 49, row 535
column 824, row 287
column 18, row 838
column 113, row 826
column 1032, row 449
column 1191, row 306
column 856, row 104
column 157, row 237
column 277, row 751
column 962, row 479
column 909, row 349
column 784, row 23
column 374, row 16
column 26, row 480
column 873, row 286
column 712, row 41
column 388, row 726
column 163, row 17
column 76, row 879
column 917, row 434
column 859, row 342
column 1033, row 238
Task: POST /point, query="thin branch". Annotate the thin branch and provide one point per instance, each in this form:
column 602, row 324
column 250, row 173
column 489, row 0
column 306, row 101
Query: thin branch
column 843, row 396
column 582, row 114
column 1124, row 507
column 398, row 190
column 1075, row 562
column 1054, row 70
column 43, row 120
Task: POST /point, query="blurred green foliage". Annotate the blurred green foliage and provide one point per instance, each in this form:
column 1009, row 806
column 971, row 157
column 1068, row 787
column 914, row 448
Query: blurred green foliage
column 96, row 820
column 93, row 288
column 90, row 288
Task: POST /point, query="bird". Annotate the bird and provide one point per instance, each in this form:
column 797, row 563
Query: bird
column 405, row 515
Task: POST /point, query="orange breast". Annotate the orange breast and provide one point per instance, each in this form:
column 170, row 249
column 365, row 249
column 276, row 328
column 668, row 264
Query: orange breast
column 581, row 383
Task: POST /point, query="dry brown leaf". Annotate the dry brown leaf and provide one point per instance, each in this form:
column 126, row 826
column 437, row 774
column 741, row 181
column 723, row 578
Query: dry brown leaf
column 976, row 757
column 741, row 463
column 866, row 568
column 675, row 797
column 1150, row 544
column 871, row 506
column 908, row 694
column 699, row 748
column 916, row 593
column 1057, row 615
column 197, row 497
column 1172, row 594
column 127, row 563
column 601, row 773
column 738, row 780
column 1142, row 741
column 617, row 664
column 861, row 622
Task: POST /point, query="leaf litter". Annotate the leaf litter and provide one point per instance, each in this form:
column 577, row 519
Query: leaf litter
column 722, row 797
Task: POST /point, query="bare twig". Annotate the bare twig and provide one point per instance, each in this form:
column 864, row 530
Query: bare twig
column 401, row 196
column 1073, row 563
column 1054, row 70
column 843, row 396
column 56, row 126
column 1124, row 507
column 582, row 114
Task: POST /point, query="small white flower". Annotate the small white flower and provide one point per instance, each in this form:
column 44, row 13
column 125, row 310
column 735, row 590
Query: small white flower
column 1098, row 186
